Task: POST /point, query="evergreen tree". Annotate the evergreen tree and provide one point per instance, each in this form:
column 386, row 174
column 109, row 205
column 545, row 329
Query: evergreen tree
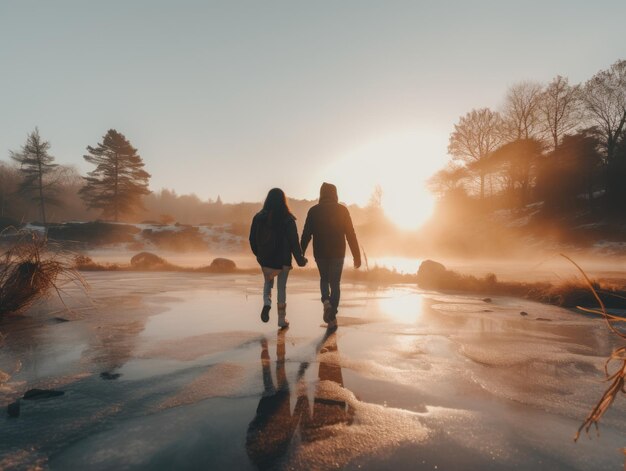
column 119, row 180
column 36, row 164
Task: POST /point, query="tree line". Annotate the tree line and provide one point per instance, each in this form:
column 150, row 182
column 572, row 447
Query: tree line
column 559, row 145
column 115, row 186
column 36, row 186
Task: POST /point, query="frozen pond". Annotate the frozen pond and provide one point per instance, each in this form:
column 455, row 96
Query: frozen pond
column 176, row 371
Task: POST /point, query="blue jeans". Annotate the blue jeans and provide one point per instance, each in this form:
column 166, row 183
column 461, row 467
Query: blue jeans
column 268, row 277
column 330, row 278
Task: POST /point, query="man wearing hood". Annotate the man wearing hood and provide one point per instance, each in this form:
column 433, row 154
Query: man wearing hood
column 330, row 225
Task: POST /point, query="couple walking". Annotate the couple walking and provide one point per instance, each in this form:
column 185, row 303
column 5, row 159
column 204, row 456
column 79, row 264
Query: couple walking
column 274, row 239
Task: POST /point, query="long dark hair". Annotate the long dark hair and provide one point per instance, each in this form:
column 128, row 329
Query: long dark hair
column 276, row 205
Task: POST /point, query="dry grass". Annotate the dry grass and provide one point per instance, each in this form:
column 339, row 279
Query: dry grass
column 571, row 293
column 30, row 270
column 568, row 294
column 615, row 378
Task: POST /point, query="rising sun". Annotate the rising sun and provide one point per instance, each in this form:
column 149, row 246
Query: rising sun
column 400, row 163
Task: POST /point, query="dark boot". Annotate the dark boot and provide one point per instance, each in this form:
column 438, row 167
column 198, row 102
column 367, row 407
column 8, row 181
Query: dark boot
column 282, row 316
column 265, row 313
column 328, row 311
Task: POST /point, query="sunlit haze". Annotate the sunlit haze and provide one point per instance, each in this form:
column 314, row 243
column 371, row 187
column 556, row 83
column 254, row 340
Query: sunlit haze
column 283, row 94
column 313, row 234
column 399, row 163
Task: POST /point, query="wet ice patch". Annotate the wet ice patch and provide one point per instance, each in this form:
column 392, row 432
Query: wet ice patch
column 192, row 348
column 218, row 380
column 459, row 307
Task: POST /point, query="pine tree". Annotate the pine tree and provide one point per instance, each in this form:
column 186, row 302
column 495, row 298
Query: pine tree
column 119, row 180
column 35, row 165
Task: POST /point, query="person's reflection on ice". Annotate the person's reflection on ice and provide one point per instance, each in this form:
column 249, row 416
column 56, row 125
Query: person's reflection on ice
column 271, row 431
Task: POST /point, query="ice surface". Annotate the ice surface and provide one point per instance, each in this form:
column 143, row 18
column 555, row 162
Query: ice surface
column 177, row 371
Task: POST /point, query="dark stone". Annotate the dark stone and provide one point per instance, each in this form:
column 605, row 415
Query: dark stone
column 33, row 394
column 543, row 319
column 431, row 274
column 60, row 320
column 109, row 376
column 147, row 261
column 487, row 300
column 223, row 265
column 13, row 409
column 523, row 313
column 487, row 310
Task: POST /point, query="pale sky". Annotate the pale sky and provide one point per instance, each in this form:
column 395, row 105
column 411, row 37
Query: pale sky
column 234, row 97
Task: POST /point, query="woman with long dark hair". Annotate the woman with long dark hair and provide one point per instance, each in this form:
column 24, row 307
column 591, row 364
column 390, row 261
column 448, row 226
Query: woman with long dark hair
column 273, row 240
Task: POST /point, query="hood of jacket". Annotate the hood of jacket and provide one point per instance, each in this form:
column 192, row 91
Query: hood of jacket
column 328, row 193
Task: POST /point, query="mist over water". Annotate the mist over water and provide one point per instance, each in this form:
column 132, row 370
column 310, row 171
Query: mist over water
column 549, row 267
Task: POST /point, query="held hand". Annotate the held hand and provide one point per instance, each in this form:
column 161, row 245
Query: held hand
column 302, row 262
column 357, row 263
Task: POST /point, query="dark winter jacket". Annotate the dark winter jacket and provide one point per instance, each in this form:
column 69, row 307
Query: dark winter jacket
column 283, row 243
column 329, row 223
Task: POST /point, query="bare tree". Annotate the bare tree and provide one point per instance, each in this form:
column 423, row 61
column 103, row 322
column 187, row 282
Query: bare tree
column 604, row 96
column 475, row 136
column 447, row 180
column 36, row 164
column 376, row 198
column 560, row 109
column 374, row 207
column 521, row 110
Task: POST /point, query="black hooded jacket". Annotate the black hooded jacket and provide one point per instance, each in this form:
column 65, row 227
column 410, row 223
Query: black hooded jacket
column 283, row 241
column 329, row 223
